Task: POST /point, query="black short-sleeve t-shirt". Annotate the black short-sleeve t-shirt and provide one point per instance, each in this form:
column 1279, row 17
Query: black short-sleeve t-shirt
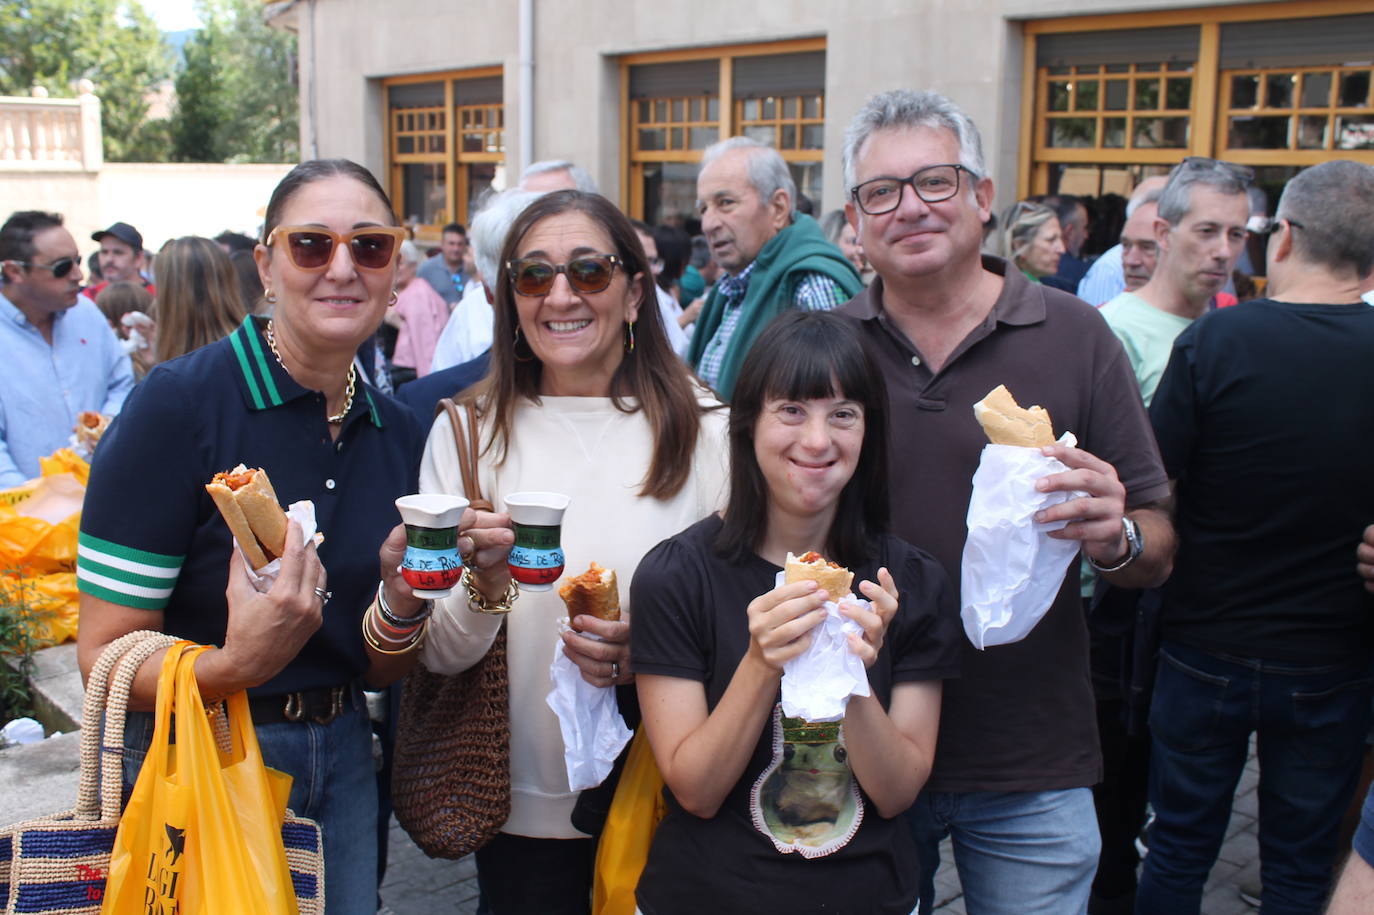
column 1265, row 417
column 691, row 622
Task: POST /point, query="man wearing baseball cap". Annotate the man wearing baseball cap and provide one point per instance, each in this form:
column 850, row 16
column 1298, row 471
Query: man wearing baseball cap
column 121, row 257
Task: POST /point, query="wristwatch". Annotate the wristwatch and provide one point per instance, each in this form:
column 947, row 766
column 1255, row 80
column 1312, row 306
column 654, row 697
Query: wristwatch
column 1135, row 545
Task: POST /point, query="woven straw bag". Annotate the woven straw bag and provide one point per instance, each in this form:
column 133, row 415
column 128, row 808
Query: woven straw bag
column 59, row 863
column 450, row 777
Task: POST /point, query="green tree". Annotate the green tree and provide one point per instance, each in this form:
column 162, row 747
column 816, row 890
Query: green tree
column 236, row 95
column 113, row 43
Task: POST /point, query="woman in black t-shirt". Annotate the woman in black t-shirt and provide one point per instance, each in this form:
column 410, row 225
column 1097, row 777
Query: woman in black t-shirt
column 767, row 812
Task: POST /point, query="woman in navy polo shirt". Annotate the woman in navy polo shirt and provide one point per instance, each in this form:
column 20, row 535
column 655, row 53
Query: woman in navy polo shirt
column 281, row 393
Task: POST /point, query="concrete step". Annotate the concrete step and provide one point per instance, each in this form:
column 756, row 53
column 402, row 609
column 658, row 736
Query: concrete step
column 41, row 778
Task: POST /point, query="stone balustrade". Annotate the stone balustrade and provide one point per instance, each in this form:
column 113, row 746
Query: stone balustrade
column 51, row 134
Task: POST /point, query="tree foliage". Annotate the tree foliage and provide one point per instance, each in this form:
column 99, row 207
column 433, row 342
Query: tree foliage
column 113, row 43
column 236, row 95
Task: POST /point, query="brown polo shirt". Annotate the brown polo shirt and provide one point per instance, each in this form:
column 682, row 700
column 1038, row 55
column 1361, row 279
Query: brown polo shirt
column 1021, row 717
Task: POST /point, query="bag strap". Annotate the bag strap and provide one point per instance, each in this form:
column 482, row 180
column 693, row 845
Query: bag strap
column 467, row 451
column 102, row 721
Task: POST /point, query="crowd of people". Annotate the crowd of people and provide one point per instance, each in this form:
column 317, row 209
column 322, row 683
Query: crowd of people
column 711, row 403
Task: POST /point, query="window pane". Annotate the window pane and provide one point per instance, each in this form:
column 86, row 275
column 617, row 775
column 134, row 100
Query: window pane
column 670, row 190
column 789, row 137
column 1072, row 132
column 1146, row 94
column 764, row 133
column 1355, row 89
column 436, row 143
column 661, row 111
column 694, row 109
column 811, row 106
column 1258, row 133
column 1312, row 131
column 1244, row 91
column 1114, row 133
column 652, row 139
column 424, row 193
column 702, row 137
column 474, row 142
column 1118, row 93
column 1178, row 94
column 1147, row 68
column 790, row 108
column 813, row 136
column 1059, row 96
column 807, row 177
column 1355, row 132
column 713, row 109
column 770, row 109
column 480, row 177
column 1085, row 95
column 751, row 109
column 1160, row 133
column 644, row 115
column 405, row 145
column 1278, row 92
column 1316, row 90
column 677, row 140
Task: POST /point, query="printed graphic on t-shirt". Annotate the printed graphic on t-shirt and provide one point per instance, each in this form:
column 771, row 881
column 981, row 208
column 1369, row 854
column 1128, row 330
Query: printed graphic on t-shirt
column 807, row 800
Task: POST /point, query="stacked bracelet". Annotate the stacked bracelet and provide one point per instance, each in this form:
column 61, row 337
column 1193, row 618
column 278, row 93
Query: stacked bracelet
column 375, row 632
column 401, row 622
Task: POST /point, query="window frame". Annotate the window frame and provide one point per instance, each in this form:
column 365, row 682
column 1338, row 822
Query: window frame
column 454, row 160
column 633, row 160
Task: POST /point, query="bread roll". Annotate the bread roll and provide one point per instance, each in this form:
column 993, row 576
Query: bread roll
column 594, row 593
column 249, row 505
column 812, row 566
column 1005, row 423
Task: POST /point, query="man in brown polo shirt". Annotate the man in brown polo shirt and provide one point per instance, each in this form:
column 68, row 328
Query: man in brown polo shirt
column 1018, row 746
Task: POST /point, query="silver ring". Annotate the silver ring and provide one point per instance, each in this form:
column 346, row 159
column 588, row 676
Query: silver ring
column 323, row 595
column 615, row 670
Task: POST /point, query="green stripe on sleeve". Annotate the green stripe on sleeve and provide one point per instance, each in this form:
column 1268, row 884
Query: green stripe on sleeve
column 128, row 553
column 116, row 597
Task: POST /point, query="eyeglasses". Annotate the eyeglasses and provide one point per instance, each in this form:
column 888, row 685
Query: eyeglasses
column 311, row 248
column 931, row 184
column 1244, row 173
column 589, row 273
column 1277, row 223
column 60, row 267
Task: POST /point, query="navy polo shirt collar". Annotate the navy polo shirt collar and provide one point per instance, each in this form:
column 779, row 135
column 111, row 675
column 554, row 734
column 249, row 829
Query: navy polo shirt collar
column 262, row 380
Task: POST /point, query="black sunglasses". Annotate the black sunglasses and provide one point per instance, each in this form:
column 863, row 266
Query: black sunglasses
column 588, row 273
column 59, row 268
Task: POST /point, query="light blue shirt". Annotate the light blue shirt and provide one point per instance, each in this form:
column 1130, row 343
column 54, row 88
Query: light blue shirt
column 44, row 387
column 1104, row 280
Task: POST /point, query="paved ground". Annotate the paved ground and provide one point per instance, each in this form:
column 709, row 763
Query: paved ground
column 417, row 885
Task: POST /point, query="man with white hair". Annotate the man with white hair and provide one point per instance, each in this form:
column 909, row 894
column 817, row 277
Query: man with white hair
column 1018, row 751
column 773, row 258
column 460, row 355
column 1105, row 278
column 557, row 175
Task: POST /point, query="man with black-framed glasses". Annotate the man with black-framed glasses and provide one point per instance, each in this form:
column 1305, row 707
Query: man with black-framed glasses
column 61, row 356
column 1263, row 420
column 1017, row 752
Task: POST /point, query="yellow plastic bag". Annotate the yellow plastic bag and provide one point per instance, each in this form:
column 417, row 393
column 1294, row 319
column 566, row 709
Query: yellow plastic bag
column 65, row 460
column 201, row 834
column 50, row 604
column 39, row 522
column 624, row 847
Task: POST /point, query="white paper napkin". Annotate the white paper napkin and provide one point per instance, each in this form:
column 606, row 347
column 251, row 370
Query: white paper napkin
column 594, row 732
column 817, row 684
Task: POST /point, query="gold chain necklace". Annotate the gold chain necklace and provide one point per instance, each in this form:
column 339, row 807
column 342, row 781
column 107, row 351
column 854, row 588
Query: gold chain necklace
column 352, row 378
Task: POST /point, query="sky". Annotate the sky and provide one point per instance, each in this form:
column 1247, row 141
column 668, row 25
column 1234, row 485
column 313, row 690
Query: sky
column 173, row 15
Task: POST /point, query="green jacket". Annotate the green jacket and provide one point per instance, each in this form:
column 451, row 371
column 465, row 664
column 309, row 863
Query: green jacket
column 797, row 250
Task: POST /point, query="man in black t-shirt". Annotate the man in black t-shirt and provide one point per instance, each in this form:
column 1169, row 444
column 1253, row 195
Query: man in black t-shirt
column 1264, row 421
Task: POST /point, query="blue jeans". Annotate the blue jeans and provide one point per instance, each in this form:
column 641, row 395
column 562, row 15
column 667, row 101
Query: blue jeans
column 335, row 785
column 1022, row 852
column 1311, row 724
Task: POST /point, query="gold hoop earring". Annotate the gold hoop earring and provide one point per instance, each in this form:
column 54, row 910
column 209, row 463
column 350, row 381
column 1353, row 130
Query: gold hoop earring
column 515, row 348
column 630, row 336
column 394, row 298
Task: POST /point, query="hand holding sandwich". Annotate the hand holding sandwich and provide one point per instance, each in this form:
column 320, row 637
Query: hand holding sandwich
column 875, row 619
column 780, row 623
column 1094, row 519
column 266, row 630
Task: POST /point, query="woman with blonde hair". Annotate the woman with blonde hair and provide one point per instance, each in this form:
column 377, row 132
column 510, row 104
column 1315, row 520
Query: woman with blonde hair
column 197, row 300
column 1032, row 239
